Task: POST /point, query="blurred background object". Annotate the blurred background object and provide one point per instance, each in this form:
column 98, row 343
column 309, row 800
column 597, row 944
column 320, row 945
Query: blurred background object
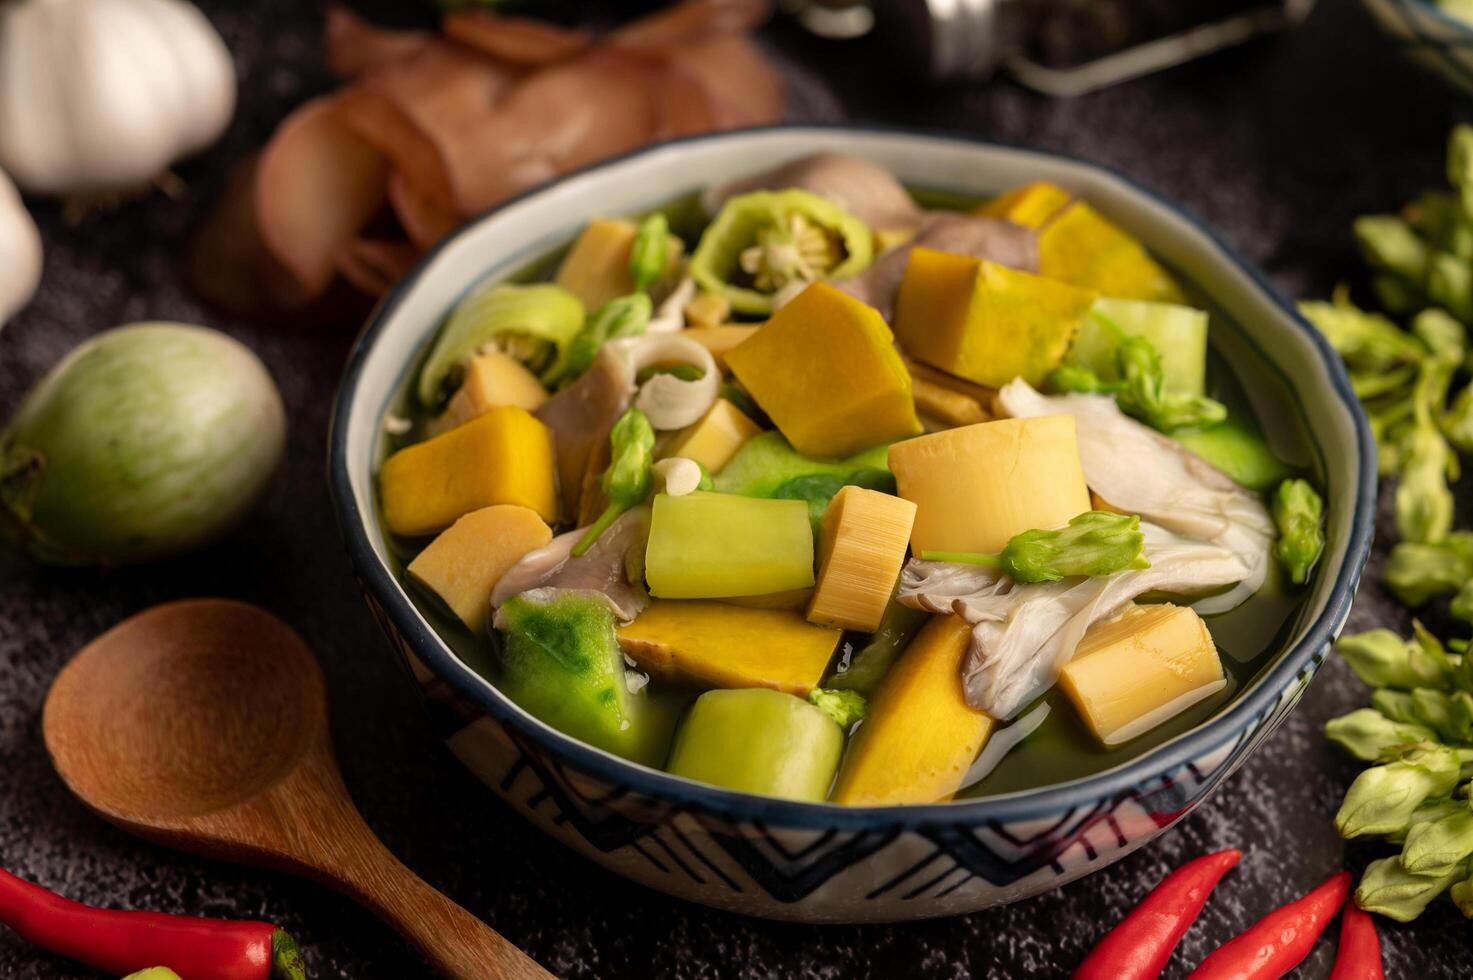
column 1059, row 47
column 1437, row 34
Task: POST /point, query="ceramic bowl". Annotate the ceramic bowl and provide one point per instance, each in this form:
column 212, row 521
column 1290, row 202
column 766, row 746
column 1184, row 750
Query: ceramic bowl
column 819, row 862
column 1431, row 36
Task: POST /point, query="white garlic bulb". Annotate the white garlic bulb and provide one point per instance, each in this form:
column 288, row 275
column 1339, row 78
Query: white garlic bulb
column 100, row 95
column 20, row 252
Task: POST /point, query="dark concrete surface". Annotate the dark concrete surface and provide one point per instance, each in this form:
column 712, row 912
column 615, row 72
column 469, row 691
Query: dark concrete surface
column 1278, row 145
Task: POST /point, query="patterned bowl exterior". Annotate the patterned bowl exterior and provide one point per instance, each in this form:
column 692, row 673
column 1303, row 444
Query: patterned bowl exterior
column 1429, row 35
column 819, row 862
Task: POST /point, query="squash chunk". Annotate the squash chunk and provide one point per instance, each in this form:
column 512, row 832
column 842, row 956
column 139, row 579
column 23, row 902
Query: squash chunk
column 920, row 735
column 714, row 545
column 976, row 487
column 466, row 561
column 715, row 644
column 1083, row 247
column 719, row 340
column 492, row 379
column 863, row 541
column 758, row 742
column 983, row 321
column 1131, row 673
column 1031, row 205
column 503, row 457
column 714, row 440
column 596, row 268
column 825, row 369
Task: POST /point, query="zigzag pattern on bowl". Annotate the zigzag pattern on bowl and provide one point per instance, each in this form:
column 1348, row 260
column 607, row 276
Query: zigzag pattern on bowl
column 779, row 872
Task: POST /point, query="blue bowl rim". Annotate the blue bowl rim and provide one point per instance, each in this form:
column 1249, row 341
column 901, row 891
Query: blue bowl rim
column 1022, row 805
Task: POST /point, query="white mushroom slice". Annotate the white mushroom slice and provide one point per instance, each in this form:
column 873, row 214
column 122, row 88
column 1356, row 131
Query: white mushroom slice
column 678, row 475
column 604, row 569
column 670, row 317
column 1140, row 471
column 666, row 400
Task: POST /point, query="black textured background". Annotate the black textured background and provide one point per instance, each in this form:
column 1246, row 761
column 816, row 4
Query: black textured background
column 1278, row 145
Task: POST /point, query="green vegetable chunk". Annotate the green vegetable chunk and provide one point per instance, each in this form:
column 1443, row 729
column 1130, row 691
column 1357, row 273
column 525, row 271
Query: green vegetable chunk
column 1383, row 798
column 1366, row 341
column 1096, row 543
column 629, row 477
column 871, row 662
column 650, row 252
column 560, row 660
column 1298, row 512
column 759, row 741
column 765, row 241
column 533, row 324
column 1389, row 889
column 766, row 463
column 846, row 708
column 1141, row 389
column 145, row 442
column 1179, row 333
column 1237, row 450
column 1368, row 735
column 717, row 545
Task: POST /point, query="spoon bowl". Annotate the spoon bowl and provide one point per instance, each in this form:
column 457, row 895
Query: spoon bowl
column 203, row 725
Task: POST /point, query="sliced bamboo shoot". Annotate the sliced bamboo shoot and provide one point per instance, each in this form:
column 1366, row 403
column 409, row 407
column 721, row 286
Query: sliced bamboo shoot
column 977, row 486
column 862, row 546
column 714, row 440
column 492, row 379
column 1131, row 673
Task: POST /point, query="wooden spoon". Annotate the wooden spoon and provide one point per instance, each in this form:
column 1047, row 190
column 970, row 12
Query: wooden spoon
column 203, row 725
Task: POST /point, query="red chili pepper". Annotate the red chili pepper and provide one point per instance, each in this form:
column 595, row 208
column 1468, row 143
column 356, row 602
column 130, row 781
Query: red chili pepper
column 120, row 942
column 1142, row 943
column 1359, row 956
column 1279, row 941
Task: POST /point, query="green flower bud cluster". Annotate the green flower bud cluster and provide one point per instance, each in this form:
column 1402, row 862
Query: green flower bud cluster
column 1413, row 381
column 1095, row 544
column 1419, row 733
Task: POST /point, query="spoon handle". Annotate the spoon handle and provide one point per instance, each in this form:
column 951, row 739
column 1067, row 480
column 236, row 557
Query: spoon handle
column 458, row 944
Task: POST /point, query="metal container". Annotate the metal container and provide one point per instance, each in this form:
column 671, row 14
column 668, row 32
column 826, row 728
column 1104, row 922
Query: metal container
column 1060, row 47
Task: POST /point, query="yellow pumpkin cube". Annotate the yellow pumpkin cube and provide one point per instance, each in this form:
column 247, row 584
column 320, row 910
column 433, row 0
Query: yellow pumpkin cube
column 1131, row 673
column 825, row 369
column 920, row 735
column 503, row 457
column 465, row 562
column 983, row 321
column 1031, row 205
column 714, row 440
column 862, row 546
column 1083, row 247
column 492, row 379
column 716, row 644
column 977, row 486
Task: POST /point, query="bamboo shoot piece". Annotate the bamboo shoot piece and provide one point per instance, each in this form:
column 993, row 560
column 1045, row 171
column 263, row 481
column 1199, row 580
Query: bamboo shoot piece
column 758, row 741
column 1131, row 673
column 716, row 644
column 978, row 486
column 921, row 735
column 465, row 562
column 714, row 545
column 715, row 439
column 491, row 379
column 862, row 546
column 596, row 268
